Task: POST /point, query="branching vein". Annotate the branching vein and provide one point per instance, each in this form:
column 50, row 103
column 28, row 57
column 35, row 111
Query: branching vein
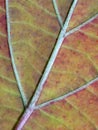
column 31, row 107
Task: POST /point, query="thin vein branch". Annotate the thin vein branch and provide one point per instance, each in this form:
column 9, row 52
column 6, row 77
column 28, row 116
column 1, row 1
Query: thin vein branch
column 58, row 13
column 80, row 26
column 2, row 34
column 53, row 117
column 2, row 9
column 23, row 96
column 42, row 8
column 66, row 95
column 82, row 113
column 31, row 106
column 34, row 27
column 7, row 79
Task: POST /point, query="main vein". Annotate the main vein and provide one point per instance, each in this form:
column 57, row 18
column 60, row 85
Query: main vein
column 31, row 106
column 23, row 96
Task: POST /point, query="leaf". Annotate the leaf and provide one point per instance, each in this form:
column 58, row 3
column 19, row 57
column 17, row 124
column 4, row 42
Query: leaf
column 77, row 112
column 10, row 101
column 57, row 71
column 78, row 66
column 31, row 106
column 66, row 78
column 34, row 28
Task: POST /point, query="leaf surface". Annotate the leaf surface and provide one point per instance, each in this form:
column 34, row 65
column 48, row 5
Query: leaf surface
column 72, row 85
column 75, row 68
column 76, row 112
column 76, row 63
column 10, row 101
column 83, row 11
column 34, row 29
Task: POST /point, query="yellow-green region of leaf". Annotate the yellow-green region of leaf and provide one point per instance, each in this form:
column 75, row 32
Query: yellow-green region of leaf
column 34, row 29
column 76, row 112
column 76, row 63
column 84, row 10
column 10, row 101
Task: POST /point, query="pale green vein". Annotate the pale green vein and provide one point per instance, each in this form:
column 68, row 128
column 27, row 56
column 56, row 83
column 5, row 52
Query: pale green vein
column 26, row 60
column 30, row 65
column 57, row 13
column 7, row 79
column 42, row 8
column 34, row 67
column 27, row 84
column 94, row 24
column 2, row 9
column 31, row 106
column 12, row 108
column 28, row 127
column 64, row 83
column 89, row 34
column 53, row 56
column 67, row 95
column 31, row 46
column 8, row 119
column 83, row 53
column 82, row 113
column 61, row 121
column 90, row 91
column 10, row 92
column 2, row 34
column 4, row 57
column 34, row 27
column 39, row 124
column 21, row 10
column 21, row 7
column 31, row 19
column 64, row 72
column 81, row 25
column 23, row 96
column 75, row 108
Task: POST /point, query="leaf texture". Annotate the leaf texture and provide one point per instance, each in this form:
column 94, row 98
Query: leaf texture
column 29, row 33
column 84, row 11
column 34, row 29
column 76, row 63
column 75, row 68
column 10, row 100
column 76, row 112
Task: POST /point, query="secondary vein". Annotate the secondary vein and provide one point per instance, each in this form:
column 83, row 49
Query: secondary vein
column 66, row 95
column 58, row 13
column 23, row 96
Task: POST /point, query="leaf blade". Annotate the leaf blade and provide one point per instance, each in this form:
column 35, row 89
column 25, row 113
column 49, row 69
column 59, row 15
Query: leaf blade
column 10, row 102
column 70, row 74
column 31, row 106
column 29, row 19
column 60, row 114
